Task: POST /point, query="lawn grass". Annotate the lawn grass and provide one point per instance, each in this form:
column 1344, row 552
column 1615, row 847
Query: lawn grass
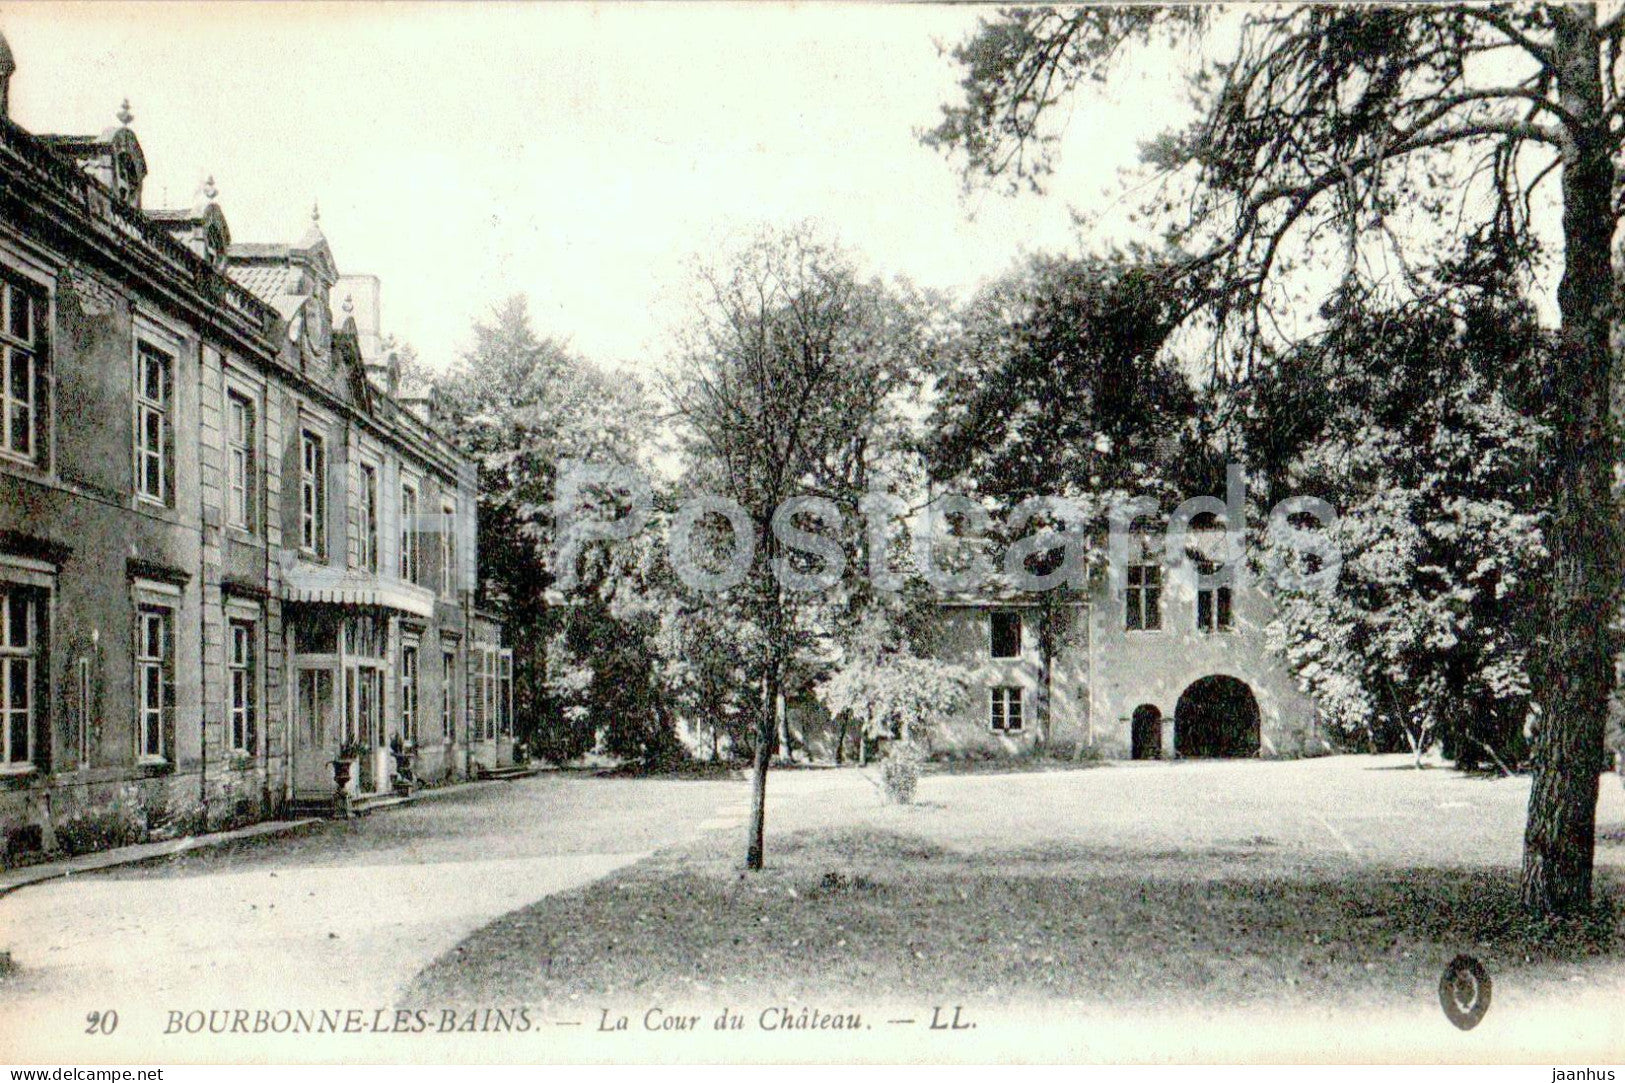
column 865, row 914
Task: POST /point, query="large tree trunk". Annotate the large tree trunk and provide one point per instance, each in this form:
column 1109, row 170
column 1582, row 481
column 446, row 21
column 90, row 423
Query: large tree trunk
column 1576, row 674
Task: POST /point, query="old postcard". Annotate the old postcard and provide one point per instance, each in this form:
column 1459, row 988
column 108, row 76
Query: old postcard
column 858, row 534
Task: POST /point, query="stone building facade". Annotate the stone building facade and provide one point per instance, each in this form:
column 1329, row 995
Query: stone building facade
column 1152, row 667
column 229, row 555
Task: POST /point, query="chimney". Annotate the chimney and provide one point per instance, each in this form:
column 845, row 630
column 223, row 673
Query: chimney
column 8, row 64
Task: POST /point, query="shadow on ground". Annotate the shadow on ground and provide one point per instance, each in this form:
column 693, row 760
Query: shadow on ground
column 874, row 915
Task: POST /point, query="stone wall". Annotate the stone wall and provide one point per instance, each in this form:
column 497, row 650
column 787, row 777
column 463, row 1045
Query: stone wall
column 1154, row 668
column 963, row 636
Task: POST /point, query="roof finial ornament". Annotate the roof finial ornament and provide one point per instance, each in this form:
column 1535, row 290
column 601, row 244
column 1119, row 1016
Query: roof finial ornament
column 349, row 304
column 209, row 190
column 124, row 114
column 316, row 213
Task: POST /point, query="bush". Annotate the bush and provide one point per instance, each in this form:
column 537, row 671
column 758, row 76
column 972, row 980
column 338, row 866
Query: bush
column 900, row 772
column 971, row 754
column 100, row 829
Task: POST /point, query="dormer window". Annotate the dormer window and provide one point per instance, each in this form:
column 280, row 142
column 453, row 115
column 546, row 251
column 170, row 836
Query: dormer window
column 214, row 245
column 317, row 331
column 126, row 184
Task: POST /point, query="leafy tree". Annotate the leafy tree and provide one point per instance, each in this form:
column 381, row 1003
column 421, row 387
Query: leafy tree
column 783, row 384
column 882, row 682
column 521, row 404
column 608, row 674
column 1368, row 124
column 709, row 673
column 1057, row 382
column 1419, row 440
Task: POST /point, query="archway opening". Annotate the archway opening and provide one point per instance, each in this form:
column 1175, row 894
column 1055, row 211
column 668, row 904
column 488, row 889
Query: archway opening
column 1217, row 717
column 1145, row 735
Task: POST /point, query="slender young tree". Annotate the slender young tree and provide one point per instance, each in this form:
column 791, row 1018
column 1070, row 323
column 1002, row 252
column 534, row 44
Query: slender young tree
column 1368, row 123
column 786, row 372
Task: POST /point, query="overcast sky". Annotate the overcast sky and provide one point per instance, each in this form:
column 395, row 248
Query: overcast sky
column 578, row 154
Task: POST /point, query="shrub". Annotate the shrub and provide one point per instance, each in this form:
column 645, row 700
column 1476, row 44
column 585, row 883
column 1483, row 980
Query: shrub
column 900, row 772
column 968, row 754
column 100, row 829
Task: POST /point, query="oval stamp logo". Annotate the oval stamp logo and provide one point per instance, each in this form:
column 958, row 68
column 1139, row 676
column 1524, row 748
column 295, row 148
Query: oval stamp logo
column 1464, row 991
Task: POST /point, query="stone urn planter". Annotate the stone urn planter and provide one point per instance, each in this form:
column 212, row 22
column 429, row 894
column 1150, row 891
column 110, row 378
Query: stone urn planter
column 343, row 771
column 405, row 780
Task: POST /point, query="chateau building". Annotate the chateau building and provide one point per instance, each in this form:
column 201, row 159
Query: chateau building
column 230, row 553
column 1157, row 666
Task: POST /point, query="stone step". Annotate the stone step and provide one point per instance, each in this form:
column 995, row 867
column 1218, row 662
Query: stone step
column 517, row 770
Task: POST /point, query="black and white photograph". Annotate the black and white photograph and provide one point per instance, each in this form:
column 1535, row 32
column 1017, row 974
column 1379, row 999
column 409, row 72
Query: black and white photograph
column 811, row 533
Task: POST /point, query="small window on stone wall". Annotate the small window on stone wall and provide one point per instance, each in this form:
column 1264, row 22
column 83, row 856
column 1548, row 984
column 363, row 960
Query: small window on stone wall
column 1004, row 709
column 1005, row 631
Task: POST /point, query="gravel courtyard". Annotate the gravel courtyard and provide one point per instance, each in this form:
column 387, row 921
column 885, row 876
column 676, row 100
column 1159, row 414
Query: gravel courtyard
column 338, row 915
column 563, row 892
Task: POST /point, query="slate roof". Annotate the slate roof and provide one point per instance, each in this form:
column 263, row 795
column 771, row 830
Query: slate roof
column 267, row 281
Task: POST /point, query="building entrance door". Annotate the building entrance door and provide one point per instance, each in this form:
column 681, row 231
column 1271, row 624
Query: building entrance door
column 316, row 742
column 1217, row 716
column 364, row 714
column 1146, row 736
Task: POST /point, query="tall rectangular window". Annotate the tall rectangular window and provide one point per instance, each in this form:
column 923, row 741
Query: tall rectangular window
column 312, row 494
column 1213, row 609
column 240, row 462
column 448, row 548
column 21, row 332
column 87, row 709
column 367, row 542
column 20, row 613
column 492, row 694
column 505, row 693
column 1144, row 598
column 409, row 533
column 448, row 695
column 1004, row 708
column 155, row 680
column 1005, row 634
column 154, row 444
column 409, row 694
column 240, row 668
column 484, row 691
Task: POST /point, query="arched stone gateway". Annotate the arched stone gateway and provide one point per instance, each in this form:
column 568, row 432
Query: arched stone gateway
column 1146, row 737
column 1216, row 717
